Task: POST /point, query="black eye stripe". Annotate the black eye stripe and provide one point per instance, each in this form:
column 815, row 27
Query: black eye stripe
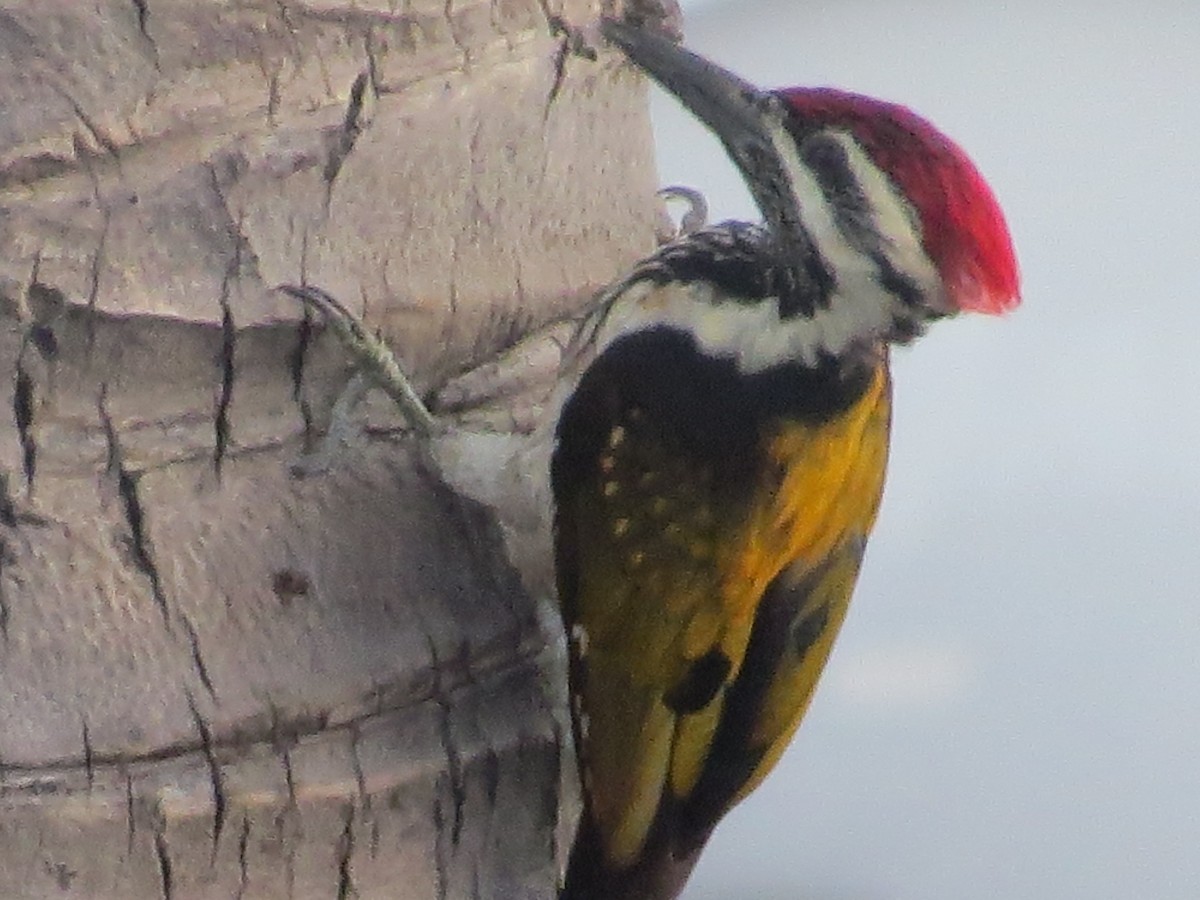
column 826, row 156
column 856, row 216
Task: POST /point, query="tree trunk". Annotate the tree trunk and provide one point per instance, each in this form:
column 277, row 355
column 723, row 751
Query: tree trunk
column 218, row 679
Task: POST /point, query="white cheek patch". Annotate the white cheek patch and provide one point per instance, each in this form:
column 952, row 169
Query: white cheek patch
column 892, row 219
column 896, row 222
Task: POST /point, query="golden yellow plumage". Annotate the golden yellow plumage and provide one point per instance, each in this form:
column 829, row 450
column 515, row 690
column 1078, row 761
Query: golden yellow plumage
column 676, row 558
column 814, row 535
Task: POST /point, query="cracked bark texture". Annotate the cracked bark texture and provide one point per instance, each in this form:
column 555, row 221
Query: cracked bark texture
column 217, row 679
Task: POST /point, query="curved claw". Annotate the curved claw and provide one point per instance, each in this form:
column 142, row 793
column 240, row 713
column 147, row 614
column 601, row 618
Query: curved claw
column 696, row 216
column 372, row 355
column 330, row 308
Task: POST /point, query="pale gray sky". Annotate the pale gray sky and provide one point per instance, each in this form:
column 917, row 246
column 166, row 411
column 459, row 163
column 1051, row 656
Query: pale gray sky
column 1012, row 709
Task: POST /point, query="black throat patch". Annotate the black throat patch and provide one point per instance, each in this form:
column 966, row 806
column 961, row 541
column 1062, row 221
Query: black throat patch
column 701, row 407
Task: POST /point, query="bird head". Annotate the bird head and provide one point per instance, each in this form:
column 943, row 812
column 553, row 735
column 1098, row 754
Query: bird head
column 962, row 227
column 883, row 222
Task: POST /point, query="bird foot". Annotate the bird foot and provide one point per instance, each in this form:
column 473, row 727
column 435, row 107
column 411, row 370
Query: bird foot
column 376, row 368
column 694, row 217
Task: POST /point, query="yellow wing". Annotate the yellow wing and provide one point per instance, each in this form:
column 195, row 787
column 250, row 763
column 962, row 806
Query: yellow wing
column 701, row 602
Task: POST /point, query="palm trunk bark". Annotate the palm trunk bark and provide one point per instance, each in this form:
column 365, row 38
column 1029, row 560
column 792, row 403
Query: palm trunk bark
column 217, row 679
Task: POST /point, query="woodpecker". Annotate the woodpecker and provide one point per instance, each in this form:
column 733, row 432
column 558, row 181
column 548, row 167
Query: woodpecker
column 718, row 465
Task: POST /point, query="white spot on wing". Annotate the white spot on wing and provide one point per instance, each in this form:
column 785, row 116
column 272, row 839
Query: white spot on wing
column 579, row 637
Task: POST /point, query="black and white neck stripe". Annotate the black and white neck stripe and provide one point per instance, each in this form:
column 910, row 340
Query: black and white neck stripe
column 868, row 280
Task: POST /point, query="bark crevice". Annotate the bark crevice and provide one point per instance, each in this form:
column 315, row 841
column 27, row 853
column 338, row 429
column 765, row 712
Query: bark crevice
column 228, row 681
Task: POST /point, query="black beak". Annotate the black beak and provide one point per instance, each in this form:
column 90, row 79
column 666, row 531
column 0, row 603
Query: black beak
column 748, row 121
column 733, row 109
